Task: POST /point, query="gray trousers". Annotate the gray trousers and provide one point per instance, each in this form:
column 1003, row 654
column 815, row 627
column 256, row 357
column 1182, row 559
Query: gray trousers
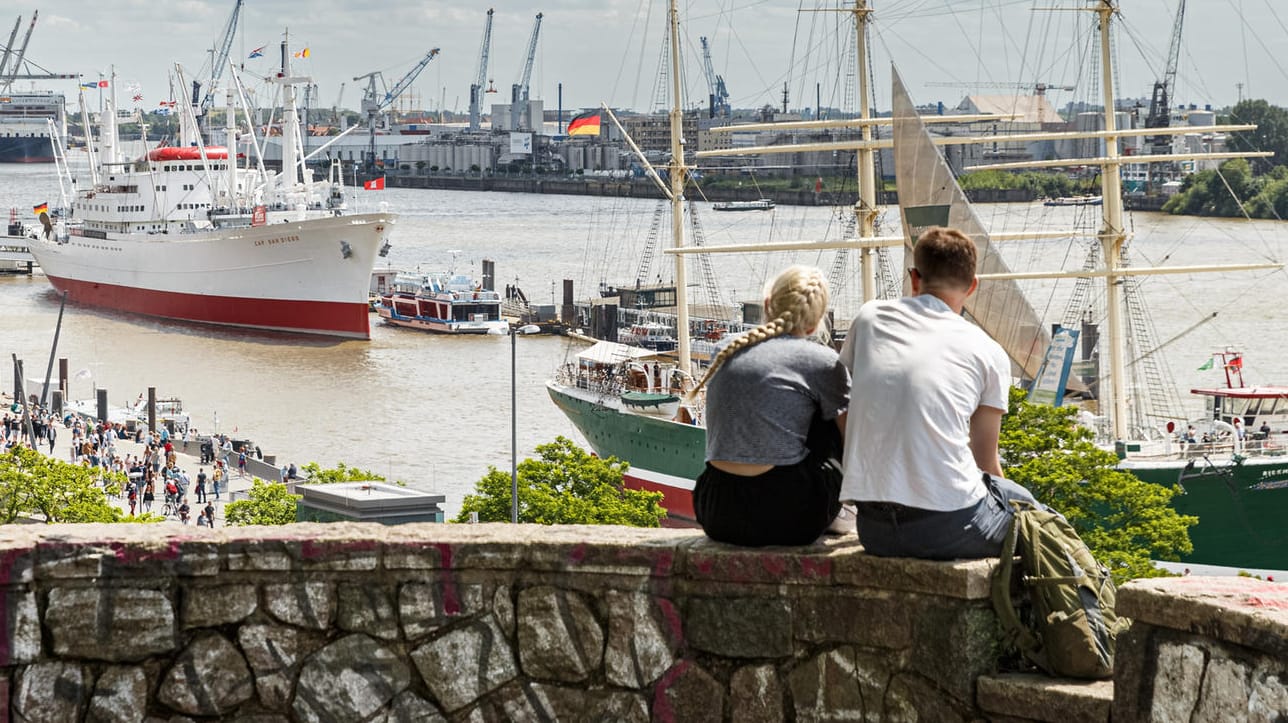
column 969, row 533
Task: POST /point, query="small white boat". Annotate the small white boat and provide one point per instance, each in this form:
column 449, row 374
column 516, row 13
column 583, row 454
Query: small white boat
column 447, row 303
column 764, row 204
column 1074, row 201
column 650, row 335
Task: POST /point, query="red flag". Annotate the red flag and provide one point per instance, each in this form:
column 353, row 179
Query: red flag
column 102, row 83
column 375, row 184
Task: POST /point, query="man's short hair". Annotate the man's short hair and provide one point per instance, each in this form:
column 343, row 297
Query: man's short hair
column 945, row 258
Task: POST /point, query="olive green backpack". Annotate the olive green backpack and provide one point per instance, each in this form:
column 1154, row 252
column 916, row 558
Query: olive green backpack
column 1073, row 628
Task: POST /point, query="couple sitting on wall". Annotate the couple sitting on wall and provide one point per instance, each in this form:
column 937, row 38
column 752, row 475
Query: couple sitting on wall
column 920, row 427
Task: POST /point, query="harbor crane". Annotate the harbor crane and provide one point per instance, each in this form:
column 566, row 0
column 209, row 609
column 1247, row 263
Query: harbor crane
column 476, row 88
column 519, row 91
column 717, row 93
column 1160, row 110
column 375, row 101
column 15, row 70
column 219, row 61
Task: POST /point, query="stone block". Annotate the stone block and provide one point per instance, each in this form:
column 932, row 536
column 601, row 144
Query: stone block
column 1240, row 610
column 1043, row 698
column 208, row 678
column 17, row 557
column 249, row 553
column 559, row 637
column 120, row 695
column 412, row 555
column 1225, row 690
column 614, row 556
column 306, row 604
column 274, row 653
column 503, row 609
column 89, row 555
column 838, row 685
column 709, row 561
column 350, row 679
column 558, row 703
column 963, row 579
column 51, row 692
column 1268, row 699
column 912, row 697
column 739, row 627
column 465, row 663
column 424, row 607
column 21, row 632
column 407, row 707
column 756, row 695
column 953, row 643
column 686, row 692
column 1178, row 681
column 643, row 635
column 340, row 554
column 841, row 615
column 368, row 609
column 211, row 605
column 112, row 624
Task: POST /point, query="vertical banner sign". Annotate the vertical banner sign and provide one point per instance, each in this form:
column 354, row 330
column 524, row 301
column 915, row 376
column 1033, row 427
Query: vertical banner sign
column 259, row 216
column 1053, row 376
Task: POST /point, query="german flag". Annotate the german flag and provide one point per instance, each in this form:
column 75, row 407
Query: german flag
column 42, row 208
column 586, row 124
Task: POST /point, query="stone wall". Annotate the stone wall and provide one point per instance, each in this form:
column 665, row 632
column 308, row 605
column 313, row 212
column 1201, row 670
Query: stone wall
column 432, row 622
column 479, row 623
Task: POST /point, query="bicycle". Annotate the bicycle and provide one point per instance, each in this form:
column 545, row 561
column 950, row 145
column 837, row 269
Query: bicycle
column 171, row 506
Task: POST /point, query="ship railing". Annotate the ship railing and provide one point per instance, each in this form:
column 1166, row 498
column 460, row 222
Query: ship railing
column 606, row 383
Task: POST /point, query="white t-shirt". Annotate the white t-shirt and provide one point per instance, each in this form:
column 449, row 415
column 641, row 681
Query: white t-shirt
column 919, row 371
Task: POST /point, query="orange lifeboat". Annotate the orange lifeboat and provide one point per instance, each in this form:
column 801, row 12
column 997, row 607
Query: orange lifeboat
column 187, row 153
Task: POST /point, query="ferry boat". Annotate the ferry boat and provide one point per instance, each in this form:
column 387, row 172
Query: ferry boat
column 648, row 335
column 763, row 204
column 183, row 233
column 25, row 126
column 447, row 303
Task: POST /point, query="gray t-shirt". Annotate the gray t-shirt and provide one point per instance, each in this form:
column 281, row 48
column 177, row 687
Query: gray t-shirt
column 761, row 402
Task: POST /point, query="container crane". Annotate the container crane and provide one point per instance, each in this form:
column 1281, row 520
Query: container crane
column 222, row 50
column 1160, row 110
column 16, row 70
column 519, row 91
column 476, row 88
column 717, row 94
column 374, row 102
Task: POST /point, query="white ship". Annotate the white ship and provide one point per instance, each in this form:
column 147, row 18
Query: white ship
column 184, row 233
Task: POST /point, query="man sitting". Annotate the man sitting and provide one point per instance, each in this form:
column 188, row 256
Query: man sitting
column 928, row 394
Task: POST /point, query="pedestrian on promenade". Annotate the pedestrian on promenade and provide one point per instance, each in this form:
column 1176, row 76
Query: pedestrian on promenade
column 201, row 485
column 149, row 495
column 185, row 440
column 210, row 514
column 133, row 496
column 51, row 434
column 241, row 463
column 218, row 477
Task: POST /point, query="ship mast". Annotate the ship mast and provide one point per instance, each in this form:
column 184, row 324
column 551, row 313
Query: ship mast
column 1112, row 234
column 865, row 209
column 677, row 172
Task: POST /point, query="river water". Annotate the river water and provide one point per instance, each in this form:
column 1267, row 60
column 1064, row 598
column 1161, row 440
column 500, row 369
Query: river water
column 434, row 411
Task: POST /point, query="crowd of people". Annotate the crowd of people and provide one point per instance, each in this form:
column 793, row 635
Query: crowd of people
column 914, row 400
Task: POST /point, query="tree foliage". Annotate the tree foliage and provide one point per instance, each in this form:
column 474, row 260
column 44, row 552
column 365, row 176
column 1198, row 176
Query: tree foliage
column 564, row 485
column 1042, row 185
column 340, row 473
column 1125, row 521
column 268, row 504
column 1271, row 133
column 33, row 485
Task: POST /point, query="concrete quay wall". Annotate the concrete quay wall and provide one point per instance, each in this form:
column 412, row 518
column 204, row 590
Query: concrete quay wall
column 499, row 622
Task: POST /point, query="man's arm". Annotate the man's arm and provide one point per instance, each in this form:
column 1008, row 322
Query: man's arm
column 985, row 428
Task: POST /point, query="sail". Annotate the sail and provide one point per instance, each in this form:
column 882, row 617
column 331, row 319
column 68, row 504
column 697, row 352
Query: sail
column 929, row 196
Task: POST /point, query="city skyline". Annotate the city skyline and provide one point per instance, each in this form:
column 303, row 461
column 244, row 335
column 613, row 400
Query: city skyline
column 609, row 50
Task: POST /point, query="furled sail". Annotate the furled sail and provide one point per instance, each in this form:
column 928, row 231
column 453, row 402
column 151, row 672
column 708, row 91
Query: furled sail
column 930, row 196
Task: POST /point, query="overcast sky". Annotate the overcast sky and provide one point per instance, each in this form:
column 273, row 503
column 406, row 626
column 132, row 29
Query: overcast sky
column 608, row 50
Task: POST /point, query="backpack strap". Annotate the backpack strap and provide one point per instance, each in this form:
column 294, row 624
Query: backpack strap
column 1014, row 631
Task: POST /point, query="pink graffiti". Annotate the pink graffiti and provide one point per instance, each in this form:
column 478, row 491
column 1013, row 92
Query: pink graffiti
column 662, row 710
column 671, row 617
column 451, row 596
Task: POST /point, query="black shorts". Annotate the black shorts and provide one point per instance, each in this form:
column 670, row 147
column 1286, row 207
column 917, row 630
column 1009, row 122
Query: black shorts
column 789, row 505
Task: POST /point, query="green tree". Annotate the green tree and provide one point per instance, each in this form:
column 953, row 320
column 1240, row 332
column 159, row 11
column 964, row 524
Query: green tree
column 268, row 504
column 564, row 485
column 1216, row 193
column 1271, row 133
column 32, row 484
column 1125, row 521
column 340, row 473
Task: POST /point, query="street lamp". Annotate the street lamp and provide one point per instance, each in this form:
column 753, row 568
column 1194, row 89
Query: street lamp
column 514, row 332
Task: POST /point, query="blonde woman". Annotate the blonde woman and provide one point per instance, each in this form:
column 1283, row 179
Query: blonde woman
column 764, row 390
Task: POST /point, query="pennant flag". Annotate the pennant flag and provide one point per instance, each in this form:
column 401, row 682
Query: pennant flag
column 375, row 184
column 586, row 124
column 102, row 83
column 42, row 208
column 258, row 52
column 90, row 84
column 1207, row 364
column 1236, row 363
column 301, row 53
column 138, row 97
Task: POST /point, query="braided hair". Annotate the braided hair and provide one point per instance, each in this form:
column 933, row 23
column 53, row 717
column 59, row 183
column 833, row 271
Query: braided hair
column 795, row 302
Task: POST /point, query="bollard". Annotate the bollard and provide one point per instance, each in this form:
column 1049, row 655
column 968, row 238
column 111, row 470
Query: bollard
column 58, row 402
column 102, row 406
column 62, row 375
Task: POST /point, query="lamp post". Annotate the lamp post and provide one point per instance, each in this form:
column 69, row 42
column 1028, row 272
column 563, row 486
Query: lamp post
column 515, row 331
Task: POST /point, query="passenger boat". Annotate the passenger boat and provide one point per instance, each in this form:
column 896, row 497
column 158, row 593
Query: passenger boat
column 183, row 233
column 763, row 204
column 447, row 303
column 1074, row 201
column 648, row 335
